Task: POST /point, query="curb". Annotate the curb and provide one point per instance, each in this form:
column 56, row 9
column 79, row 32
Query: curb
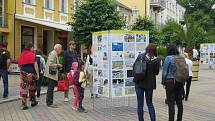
column 15, row 98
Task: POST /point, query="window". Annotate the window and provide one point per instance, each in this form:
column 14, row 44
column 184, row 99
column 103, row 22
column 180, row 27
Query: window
column 30, row 2
column 64, row 6
column 49, row 4
column 27, row 36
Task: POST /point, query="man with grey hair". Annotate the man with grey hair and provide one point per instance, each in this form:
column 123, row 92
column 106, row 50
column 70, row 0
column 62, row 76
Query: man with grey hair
column 51, row 72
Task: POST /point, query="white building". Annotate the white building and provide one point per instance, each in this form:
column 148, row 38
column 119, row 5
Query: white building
column 164, row 10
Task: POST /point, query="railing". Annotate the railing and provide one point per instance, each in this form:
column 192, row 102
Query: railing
column 158, row 2
column 4, row 20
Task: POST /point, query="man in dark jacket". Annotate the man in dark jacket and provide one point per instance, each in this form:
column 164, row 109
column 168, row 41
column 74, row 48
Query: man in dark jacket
column 69, row 57
column 4, row 65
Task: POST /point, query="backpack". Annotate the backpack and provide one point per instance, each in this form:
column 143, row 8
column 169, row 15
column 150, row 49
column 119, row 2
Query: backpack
column 39, row 63
column 181, row 69
column 140, row 67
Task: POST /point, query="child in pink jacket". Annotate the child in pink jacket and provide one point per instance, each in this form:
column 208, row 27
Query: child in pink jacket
column 78, row 82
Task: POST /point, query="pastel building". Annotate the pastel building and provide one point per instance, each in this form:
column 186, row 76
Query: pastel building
column 41, row 22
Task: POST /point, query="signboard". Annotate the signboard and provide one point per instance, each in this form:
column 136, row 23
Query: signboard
column 207, row 53
column 114, row 53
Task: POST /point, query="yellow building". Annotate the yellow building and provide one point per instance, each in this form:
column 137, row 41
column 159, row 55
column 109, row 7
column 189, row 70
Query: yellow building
column 41, row 22
column 142, row 6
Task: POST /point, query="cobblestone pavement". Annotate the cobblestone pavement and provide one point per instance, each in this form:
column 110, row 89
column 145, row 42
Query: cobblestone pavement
column 200, row 106
column 14, row 81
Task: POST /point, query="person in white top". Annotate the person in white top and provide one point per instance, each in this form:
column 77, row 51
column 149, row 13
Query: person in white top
column 195, row 54
column 188, row 82
column 89, row 72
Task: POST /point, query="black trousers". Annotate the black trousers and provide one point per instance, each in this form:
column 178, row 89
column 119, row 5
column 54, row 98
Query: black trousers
column 50, row 91
column 174, row 95
column 81, row 96
column 188, row 84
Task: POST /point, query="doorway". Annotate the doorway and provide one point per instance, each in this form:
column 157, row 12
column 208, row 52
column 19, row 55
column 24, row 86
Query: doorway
column 48, row 41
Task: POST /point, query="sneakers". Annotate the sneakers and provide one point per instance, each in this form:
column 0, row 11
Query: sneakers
column 25, row 108
column 66, row 99
column 75, row 108
column 5, row 96
column 34, row 104
column 82, row 110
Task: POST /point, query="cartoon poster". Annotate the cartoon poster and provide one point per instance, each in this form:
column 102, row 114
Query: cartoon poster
column 114, row 53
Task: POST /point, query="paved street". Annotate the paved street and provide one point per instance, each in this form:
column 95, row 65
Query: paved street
column 200, row 107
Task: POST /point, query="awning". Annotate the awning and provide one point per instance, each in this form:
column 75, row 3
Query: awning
column 45, row 23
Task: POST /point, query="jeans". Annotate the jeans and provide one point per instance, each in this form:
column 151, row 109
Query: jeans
column 140, row 102
column 4, row 75
column 81, row 96
column 174, row 94
column 50, row 92
column 38, row 86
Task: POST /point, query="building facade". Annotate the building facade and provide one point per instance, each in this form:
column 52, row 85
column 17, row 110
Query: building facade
column 163, row 10
column 41, row 22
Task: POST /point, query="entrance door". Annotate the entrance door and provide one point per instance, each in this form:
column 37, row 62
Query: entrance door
column 27, row 36
column 48, row 41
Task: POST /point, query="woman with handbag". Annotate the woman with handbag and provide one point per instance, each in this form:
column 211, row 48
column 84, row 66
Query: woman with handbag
column 29, row 75
column 146, row 84
column 51, row 72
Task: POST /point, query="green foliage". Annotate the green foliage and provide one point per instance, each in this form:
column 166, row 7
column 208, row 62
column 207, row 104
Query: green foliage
column 95, row 15
column 161, row 51
column 145, row 24
column 201, row 13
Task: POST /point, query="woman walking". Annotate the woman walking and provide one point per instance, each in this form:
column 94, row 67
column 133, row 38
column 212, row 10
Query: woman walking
column 188, row 82
column 173, row 88
column 146, row 86
column 29, row 75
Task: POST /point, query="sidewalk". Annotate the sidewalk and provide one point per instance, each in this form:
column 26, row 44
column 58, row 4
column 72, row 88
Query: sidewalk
column 200, row 106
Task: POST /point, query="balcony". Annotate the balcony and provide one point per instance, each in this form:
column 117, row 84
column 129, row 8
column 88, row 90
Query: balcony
column 4, row 20
column 157, row 5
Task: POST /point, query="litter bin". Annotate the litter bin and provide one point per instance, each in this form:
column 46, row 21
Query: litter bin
column 195, row 70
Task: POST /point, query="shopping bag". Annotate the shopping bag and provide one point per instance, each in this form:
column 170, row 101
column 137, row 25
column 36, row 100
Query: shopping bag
column 62, row 86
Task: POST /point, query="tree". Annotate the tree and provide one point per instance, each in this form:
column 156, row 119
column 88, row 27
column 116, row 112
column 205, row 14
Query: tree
column 95, row 15
column 145, row 24
column 182, row 35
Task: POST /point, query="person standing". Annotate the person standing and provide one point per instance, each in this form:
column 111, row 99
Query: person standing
column 41, row 65
column 29, row 75
column 173, row 88
column 88, row 70
column 69, row 57
column 148, row 84
column 188, row 82
column 51, row 72
column 4, row 65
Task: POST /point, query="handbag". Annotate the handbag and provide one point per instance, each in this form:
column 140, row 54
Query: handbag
column 53, row 70
column 62, row 86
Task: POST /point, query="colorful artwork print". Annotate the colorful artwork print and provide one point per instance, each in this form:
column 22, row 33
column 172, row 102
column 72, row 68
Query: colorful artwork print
column 129, row 38
column 117, row 65
column 141, row 46
column 129, row 55
column 117, row 37
column 118, row 83
column 140, row 38
column 99, row 38
column 129, row 73
column 117, row 55
column 100, row 73
column 117, row 46
column 129, row 64
column 105, row 56
column 117, row 74
column 129, row 82
column 100, row 90
column 130, row 46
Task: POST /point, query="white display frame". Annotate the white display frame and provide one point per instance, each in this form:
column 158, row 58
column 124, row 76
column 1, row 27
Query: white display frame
column 207, row 53
column 113, row 59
